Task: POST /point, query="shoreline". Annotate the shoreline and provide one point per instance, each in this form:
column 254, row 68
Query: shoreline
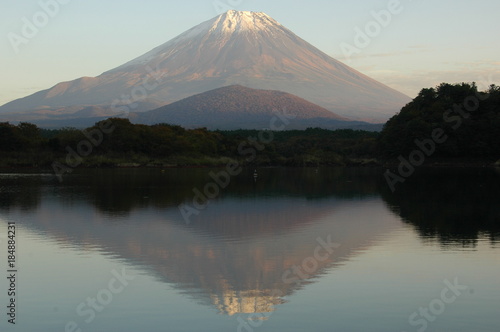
column 362, row 163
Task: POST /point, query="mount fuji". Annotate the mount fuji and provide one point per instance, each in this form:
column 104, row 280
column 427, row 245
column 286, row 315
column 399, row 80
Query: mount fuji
column 236, row 48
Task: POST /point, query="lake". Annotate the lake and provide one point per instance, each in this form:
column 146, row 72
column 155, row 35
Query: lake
column 328, row 249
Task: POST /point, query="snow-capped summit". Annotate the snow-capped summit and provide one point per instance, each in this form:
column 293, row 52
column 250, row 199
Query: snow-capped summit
column 237, row 47
column 230, row 22
column 237, row 21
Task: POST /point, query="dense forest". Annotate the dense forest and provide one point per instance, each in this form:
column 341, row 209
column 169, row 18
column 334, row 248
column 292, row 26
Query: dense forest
column 449, row 121
column 462, row 122
column 118, row 142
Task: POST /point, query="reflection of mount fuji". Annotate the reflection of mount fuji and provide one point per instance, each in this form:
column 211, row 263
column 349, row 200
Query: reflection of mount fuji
column 238, row 255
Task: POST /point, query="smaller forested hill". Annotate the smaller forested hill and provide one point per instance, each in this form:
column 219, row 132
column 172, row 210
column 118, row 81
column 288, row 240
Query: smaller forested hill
column 467, row 119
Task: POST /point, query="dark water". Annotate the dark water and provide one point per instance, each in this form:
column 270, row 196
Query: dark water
column 292, row 250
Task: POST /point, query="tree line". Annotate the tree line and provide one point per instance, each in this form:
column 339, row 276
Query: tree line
column 165, row 144
column 468, row 118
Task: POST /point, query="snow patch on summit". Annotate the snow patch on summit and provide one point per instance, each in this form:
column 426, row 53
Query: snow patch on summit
column 237, row 21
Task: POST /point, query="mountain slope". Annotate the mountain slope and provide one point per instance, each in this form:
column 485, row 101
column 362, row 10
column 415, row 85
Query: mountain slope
column 234, row 106
column 239, row 107
column 246, row 48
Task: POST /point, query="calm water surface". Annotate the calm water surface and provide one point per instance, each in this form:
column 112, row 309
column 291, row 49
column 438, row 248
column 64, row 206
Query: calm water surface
column 294, row 250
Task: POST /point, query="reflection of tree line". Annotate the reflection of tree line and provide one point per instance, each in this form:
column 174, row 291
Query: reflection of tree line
column 23, row 192
column 453, row 205
column 122, row 190
column 455, row 208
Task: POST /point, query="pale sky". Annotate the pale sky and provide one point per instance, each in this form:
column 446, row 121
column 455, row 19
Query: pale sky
column 421, row 44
